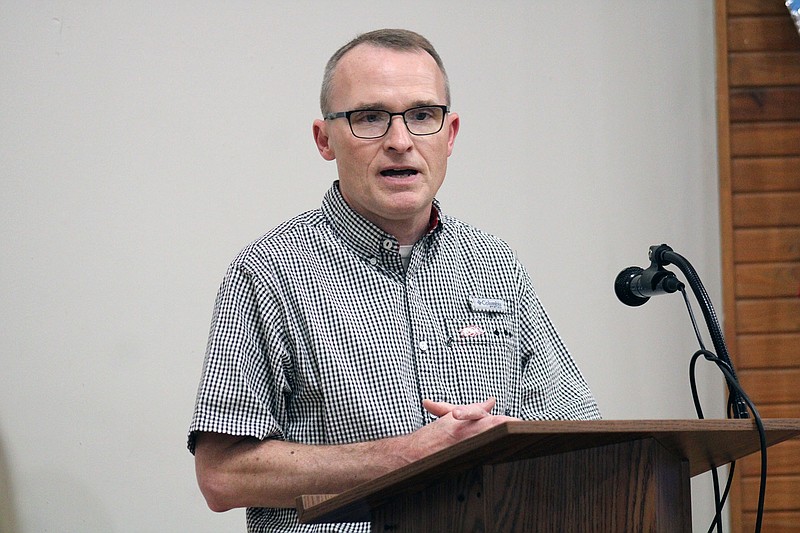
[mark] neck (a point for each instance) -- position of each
(409, 232)
(404, 234)
(406, 230)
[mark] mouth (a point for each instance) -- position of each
(398, 172)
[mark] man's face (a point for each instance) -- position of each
(392, 180)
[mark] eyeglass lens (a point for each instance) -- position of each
(370, 124)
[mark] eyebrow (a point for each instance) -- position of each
(383, 106)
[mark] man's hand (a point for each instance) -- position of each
(455, 423)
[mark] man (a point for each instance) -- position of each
(367, 334)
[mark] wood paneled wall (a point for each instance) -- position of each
(758, 94)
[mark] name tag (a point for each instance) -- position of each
(487, 305)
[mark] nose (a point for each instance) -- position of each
(398, 137)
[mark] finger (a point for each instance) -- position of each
(474, 411)
(469, 412)
(489, 404)
(437, 408)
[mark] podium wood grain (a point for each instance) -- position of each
(626, 475)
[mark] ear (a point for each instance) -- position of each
(320, 130)
(453, 124)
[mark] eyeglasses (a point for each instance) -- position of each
(374, 123)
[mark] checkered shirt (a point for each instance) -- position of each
(320, 336)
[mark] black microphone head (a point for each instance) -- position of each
(622, 287)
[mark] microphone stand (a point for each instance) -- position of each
(664, 255)
(738, 401)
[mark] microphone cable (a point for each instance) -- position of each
(739, 394)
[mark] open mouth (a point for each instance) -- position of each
(402, 172)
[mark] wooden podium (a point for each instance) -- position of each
(586, 476)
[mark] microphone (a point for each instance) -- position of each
(634, 286)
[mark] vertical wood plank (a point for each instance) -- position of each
(765, 138)
(762, 280)
(769, 315)
(750, 7)
(765, 103)
(769, 351)
(756, 245)
(766, 174)
(754, 210)
(764, 68)
(748, 34)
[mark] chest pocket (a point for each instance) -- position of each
(485, 356)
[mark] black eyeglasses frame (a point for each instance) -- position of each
(347, 114)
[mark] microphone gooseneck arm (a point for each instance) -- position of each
(664, 255)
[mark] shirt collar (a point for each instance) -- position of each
(363, 236)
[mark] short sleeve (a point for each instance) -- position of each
(242, 387)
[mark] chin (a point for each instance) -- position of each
(407, 203)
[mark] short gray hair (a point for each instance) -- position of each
(395, 39)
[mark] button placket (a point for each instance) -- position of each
(433, 384)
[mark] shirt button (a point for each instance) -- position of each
(423, 346)
(373, 261)
(388, 244)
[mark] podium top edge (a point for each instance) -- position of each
(625, 425)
